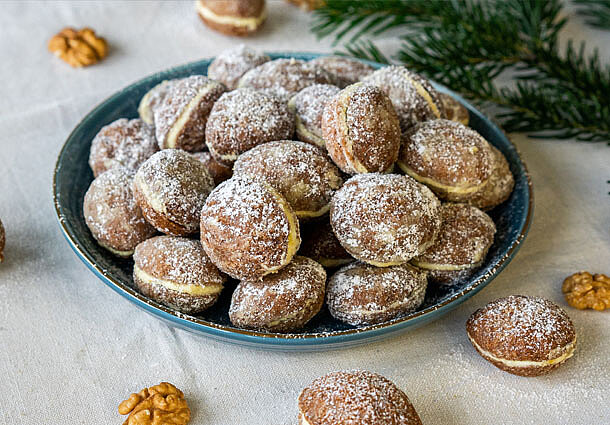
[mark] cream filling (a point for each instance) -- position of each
(445, 267)
(250, 23)
(307, 134)
(294, 240)
(424, 93)
(153, 200)
(172, 134)
(116, 251)
(230, 157)
(568, 352)
(302, 420)
(144, 110)
(430, 182)
(317, 213)
(195, 290)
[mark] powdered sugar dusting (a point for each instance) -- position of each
(397, 83)
(180, 182)
(232, 64)
(384, 217)
(244, 229)
(285, 77)
(447, 152)
(309, 104)
(356, 397)
(244, 118)
(126, 143)
(345, 71)
(111, 213)
(364, 294)
(465, 236)
(519, 327)
(302, 173)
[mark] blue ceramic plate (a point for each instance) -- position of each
(73, 176)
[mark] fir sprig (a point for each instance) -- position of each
(467, 44)
(596, 12)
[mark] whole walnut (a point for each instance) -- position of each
(162, 404)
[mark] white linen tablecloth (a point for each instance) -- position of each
(71, 349)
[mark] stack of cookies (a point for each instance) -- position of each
(306, 183)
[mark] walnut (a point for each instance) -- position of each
(2, 241)
(583, 290)
(78, 48)
(163, 404)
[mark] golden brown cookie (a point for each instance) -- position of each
(171, 188)
(451, 159)
(454, 110)
(151, 99)
(499, 186)
(243, 119)
(362, 294)
(285, 77)
(321, 244)
(361, 130)
(345, 70)
(308, 108)
(385, 219)
(526, 336)
(233, 17)
(282, 302)
(248, 229)
(219, 172)
(232, 64)
(355, 397)
(413, 97)
(302, 173)
(112, 214)
(465, 236)
(176, 272)
(122, 143)
(181, 115)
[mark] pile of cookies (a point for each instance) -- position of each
(310, 183)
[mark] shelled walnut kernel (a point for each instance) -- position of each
(78, 48)
(162, 404)
(583, 290)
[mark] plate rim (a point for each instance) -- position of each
(288, 340)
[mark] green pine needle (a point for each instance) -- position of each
(596, 12)
(467, 44)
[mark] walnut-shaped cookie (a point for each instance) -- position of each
(362, 294)
(176, 272)
(355, 397)
(345, 71)
(302, 173)
(151, 99)
(233, 17)
(361, 130)
(413, 97)
(249, 229)
(281, 302)
(171, 188)
(321, 244)
(243, 119)
(230, 65)
(465, 236)
(219, 171)
(122, 143)
(385, 219)
(453, 160)
(181, 115)
(308, 107)
(526, 336)
(112, 214)
(285, 77)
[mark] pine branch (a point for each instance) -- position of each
(596, 12)
(467, 44)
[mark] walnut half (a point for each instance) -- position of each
(78, 48)
(583, 290)
(162, 404)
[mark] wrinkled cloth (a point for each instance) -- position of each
(71, 349)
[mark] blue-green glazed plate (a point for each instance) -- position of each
(73, 176)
